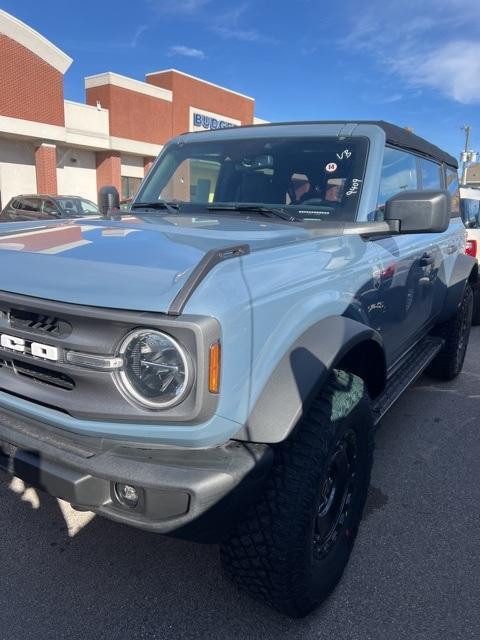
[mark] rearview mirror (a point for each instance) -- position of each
(108, 200)
(420, 211)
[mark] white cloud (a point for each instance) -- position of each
(420, 43)
(178, 6)
(452, 68)
(136, 36)
(188, 52)
(229, 26)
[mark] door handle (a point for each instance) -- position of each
(427, 259)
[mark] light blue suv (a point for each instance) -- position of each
(212, 363)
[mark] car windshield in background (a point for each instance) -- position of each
(77, 207)
(307, 179)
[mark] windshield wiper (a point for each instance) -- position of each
(271, 212)
(170, 206)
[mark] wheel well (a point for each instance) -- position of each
(366, 360)
(473, 277)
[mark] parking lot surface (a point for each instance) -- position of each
(414, 572)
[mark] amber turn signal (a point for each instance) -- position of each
(214, 368)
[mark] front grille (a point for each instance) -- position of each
(31, 321)
(39, 374)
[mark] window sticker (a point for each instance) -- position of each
(331, 167)
(354, 187)
(346, 153)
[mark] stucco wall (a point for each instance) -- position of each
(17, 169)
(77, 173)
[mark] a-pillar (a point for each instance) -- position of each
(46, 168)
(109, 166)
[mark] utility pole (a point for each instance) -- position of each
(467, 155)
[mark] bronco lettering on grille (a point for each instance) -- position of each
(36, 349)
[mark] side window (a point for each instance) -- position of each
(430, 174)
(452, 186)
(49, 208)
(31, 204)
(399, 173)
(471, 210)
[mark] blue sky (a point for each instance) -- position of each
(413, 62)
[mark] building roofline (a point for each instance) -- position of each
(131, 84)
(30, 39)
(212, 84)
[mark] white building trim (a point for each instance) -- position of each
(131, 84)
(32, 40)
(212, 84)
(30, 129)
(135, 146)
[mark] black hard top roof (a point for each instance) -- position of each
(397, 136)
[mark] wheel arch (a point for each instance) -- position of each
(334, 342)
(465, 272)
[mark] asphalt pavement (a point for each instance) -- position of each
(414, 572)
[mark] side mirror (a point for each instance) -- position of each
(108, 200)
(419, 211)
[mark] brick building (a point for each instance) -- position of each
(51, 145)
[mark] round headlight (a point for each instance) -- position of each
(155, 370)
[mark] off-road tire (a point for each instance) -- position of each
(476, 306)
(276, 553)
(455, 332)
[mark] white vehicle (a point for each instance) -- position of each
(470, 197)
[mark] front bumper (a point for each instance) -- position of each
(196, 494)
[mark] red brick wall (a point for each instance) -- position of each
(189, 92)
(133, 115)
(46, 169)
(30, 88)
(109, 167)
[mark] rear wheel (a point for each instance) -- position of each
(476, 306)
(295, 542)
(455, 332)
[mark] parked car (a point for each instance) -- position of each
(217, 366)
(470, 199)
(40, 207)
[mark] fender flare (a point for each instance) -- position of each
(300, 374)
(465, 271)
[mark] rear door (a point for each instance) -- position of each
(30, 209)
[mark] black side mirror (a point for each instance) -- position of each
(108, 200)
(420, 211)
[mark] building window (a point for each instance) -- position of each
(129, 187)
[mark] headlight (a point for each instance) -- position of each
(156, 371)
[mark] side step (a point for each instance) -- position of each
(411, 368)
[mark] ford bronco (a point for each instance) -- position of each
(213, 362)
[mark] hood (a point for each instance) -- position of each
(138, 263)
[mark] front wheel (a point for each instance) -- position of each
(293, 545)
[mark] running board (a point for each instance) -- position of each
(415, 363)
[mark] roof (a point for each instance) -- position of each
(397, 136)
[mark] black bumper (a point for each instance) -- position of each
(196, 494)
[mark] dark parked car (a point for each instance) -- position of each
(38, 207)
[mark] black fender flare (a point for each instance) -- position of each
(300, 374)
(465, 271)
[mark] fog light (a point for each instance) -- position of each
(126, 494)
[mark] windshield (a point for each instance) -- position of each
(77, 207)
(310, 178)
